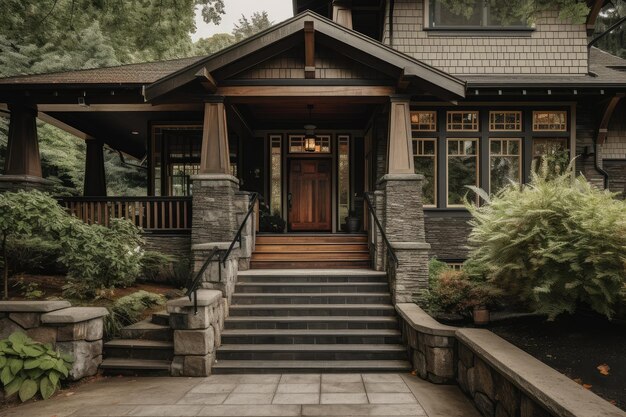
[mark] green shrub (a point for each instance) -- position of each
(181, 273)
(553, 243)
(28, 367)
(156, 267)
(128, 310)
(29, 290)
(103, 257)
(435, 268)
(34, 255)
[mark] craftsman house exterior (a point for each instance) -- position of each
(399, 97)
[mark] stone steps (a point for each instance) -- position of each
(310, 287)
(312, 310)
(125, 366)
(316, 352)
(309, 298)
(140, 349)
(310, 336)
(311, 322)
(304, 366)
(293, 276)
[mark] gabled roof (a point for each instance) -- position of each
(280, 37)
(142, 73)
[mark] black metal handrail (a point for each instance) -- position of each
(192, 288)
(370, 206)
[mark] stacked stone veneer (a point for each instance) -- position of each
(554, 47)
(197, 335)
(502, 380)
(447, 233)
(77, 331)
(176, 245)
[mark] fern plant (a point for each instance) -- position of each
(28, 367)
(554, 243)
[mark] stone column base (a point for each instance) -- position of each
(218, 276)
(409, 279)
(15, 183)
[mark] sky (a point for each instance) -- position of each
(278, 11)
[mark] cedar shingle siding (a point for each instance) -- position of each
(555, 47)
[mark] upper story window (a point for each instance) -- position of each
(474, 14)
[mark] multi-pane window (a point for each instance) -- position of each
(475, 14)
(424, 121)
(505, 163)
(500, 121)
(425, 161)
(554, 148)
(296, 144)
(343, 173)
(275, 175)
(458, 121)
(550, 121)
(462, 155)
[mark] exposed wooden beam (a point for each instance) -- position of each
(603, 128)
(63, 126)
(309, 49)
(119, 107)
(311, 91)
(594, 11)
(206, 80)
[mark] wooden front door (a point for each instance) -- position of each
(309, 198)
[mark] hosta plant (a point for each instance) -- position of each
(28, 367)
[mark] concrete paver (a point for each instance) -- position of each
(312, 395)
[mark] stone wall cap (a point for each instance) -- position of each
(214, 177)
(557, 393)
(205, 298)
(401, 177)
(32, 306)
(74, 315)
(410, 245)
(210, 245)
(422, 321)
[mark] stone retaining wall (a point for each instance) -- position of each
(77, 331)
(176, 245)
(501, 379)
(197, 336)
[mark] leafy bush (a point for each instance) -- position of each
(103, 257)
(128, 310)
(454, 292)
(35, 255)
(27, 367)
(435, 268)
(181, 273)
(553, 243)
(30, 290)
(156, 267)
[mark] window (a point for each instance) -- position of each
(424, 121)
(275, 175)
(462, 169)
(458, 121)
(500, 121)
(343, 179)
(549, 121)
(504, 163)
(425, 161)
(296, 144)
(474, 14)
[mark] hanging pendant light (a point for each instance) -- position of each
(309, 134)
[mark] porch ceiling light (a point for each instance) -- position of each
(309, 133)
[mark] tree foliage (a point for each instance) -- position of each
(554, 243)
(28, 367)
(615, 42)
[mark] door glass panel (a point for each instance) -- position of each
(344, 177)
(275, 174)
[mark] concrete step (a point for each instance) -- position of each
(301, 298)
(315, 352)
(235, 366)
(161, 317)
(311, 322)
(122, 366)
(310, 336)
(316, 247)
(147, 330)
(281, 310)
(139, 349)
(309, 275)
(310, 264)
(313, 238)
(311, 287)
(311, 255)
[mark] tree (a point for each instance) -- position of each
(615, 42)
(259, 21)
(210, 45)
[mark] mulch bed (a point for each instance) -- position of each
(587, 348)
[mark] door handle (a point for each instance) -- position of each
(289, 200)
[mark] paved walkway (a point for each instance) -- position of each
(256, 395)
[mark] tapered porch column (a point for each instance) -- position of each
(95, 178)
(342, 13)
(217, 203)
(403, 213)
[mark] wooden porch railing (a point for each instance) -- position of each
(149, 213)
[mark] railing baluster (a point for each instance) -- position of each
(177, 226)
(171, 212)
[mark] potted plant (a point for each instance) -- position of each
(479, 300)
(353, 223)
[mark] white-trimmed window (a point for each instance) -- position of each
(505, 162)
(462, 121)
(550, 121)
(462, 169)
(505, 121)
(425, 162)
(424, 121)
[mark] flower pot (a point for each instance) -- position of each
(481, 315)
(353, 224)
